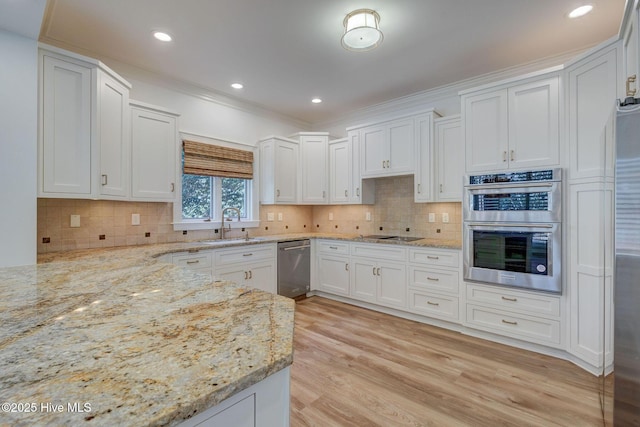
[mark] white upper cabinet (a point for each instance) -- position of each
(84, 135)
(449, 148)
(314, 167)
(278, 170)
(115, 137)
(154, 153)
(515, 126)
(64, 146)
(387, 149)
(340, 173)
(424, 175)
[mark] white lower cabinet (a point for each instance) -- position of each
(380, 282)
(364, 280)
(529, 316)
(200, 261)
(333, 274)
(433, 305)
(248, 265)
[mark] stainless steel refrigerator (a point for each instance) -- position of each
(626, 407)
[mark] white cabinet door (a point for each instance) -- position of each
(65, 148)
(534, 124)
(486, 131)
(235, 273)
(365, 280)
(374, 150)
(314, 169)
(262, 276)
(401, 142)
(333, 274)
(154, 142)
(424, 174)
(114, 136)
(449, 159)
(339, 171)
(286, 172)
(392, 285)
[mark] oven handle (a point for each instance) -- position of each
(509, 224)
(510, 185)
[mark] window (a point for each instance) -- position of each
(215, 177)
(200, 201)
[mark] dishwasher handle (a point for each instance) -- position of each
(290, 248)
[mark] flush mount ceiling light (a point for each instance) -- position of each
(163, 37)
(580, 11)
(237, 85)
(362, 30)
(316, 100)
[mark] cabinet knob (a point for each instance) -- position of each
(632, 79)
(104, 179)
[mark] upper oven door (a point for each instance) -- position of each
(537, 202)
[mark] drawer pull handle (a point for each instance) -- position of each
(508, 322)
(345, 193)
(250, 274)
(374, 271)
(346, 267)
(247, 254)
(630, 92)
(358, 191)
(433, 303)
(433, 279)
(432, 257)
(378, 271)
(504, 156)
(333, 247)
(104, 180)
(513, 155)
(193, 262)
(246, 276)
(510, 299)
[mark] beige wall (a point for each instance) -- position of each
(394, 211)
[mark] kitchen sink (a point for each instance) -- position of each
(393, 238)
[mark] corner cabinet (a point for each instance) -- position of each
(278, 170)
(84, 128)
(154, 152)
(513, 126)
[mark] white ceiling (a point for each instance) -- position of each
(288, 51)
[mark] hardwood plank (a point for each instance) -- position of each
(357, 367)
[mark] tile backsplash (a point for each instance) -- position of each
(106, 223)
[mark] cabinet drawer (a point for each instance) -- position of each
(435, 257)
(332, 247)
(541, 305)
(434, 279)
(533, 329)
(442, 307)
(387, 252)
(247, 253)
(195, 261)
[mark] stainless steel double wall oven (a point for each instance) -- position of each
(513, 229)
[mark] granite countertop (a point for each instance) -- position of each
(130, 340)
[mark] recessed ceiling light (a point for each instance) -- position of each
(580, 11)
(237, 85)
(163, 37)
(316, 100)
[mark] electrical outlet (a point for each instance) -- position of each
(270, 216)
(368, 216)
(75, 221)
(135, 219)
(445, 217)
(330, 216)
(279, 216)
(432, 217)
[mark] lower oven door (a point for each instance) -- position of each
(521, 255)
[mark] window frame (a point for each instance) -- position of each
(252, 196)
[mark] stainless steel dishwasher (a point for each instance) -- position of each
(294, 268)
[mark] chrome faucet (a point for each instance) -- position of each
(237, 211)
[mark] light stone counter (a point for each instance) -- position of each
(141, 342)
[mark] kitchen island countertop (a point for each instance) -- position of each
(114, 337)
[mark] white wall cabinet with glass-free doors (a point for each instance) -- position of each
(513, 125)
(449, 163)
(313, 170)
(84, 129)
(279, 158)
(154, 153)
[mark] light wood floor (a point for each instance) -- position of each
(356, 367)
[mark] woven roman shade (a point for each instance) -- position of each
(214, 160)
